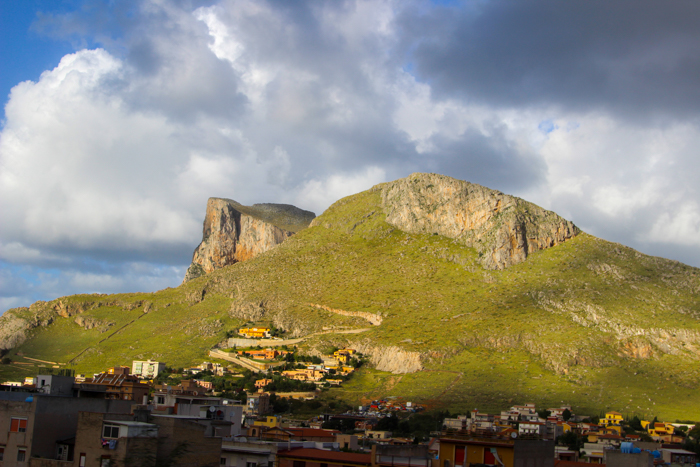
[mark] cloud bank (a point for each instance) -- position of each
(106, 161)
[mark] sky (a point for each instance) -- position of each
(121, 118)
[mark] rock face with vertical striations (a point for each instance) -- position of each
(233, 232)
(502, 228)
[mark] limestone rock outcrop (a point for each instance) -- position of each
(502, 228)
(233, 232)
(390, 358)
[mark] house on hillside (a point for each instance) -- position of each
(611, 419)
(146, 369)
(254, 333)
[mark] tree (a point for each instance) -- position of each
(636, 424)
(388, 424)
(570, 440)
(566, 415)
(695, 432)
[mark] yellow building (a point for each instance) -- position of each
(270, 421)
(254, 332)
(611, 419)
(457, 451)
(568, 426)
(658, 428)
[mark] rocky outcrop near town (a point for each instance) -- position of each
(233, 232)
(503, 229)
(390, 358)
(373, 318)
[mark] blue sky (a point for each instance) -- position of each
(126, 116)
(25, 52)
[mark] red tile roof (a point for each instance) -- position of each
(322, 455)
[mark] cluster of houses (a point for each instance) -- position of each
(320, 374)
(119, 417)
(601, 440)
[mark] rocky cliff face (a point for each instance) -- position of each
(503, 229)
(233, 232)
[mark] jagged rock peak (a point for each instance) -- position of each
(233, 232)
(503, 229)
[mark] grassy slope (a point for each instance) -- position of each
(549, 330)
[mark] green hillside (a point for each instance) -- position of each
(590, 323)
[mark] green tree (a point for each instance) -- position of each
(566, 415)
(571, 440)
(636, 424)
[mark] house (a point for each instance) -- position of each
(611, 419)
(458, 450)
(266, 354)
(269, 421)
(377, 434)
(102, 439)
(610, 440)
(147, 369)
(594, 453)
(559, 412)
(43, 425)
(222, 417)
(118, 370)
(526, 412)
(459, 423)
(254, 333)
(304, 375)
(660, 429)
(261, 383)
(565, 454)
(678, 456)
(537, 429)
(208, 385)
(245, 452)
(118, 385)
(386, 455)
(308, 457)
(258, 404)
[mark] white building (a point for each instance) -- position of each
(148, 369)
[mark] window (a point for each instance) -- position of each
(223, 461)
(2, 453)
(18, 425)
(110, 431)
(251, 464)
(324, 465)
(82, 459)
(105, 461)
(160, 400)
(21, 455)
(298, 464)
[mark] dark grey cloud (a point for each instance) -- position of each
(487, 160)
(627, 57)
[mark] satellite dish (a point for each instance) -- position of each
(513, 435)
(212, 409)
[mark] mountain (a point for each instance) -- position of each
(460, 296)
(233, 232)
